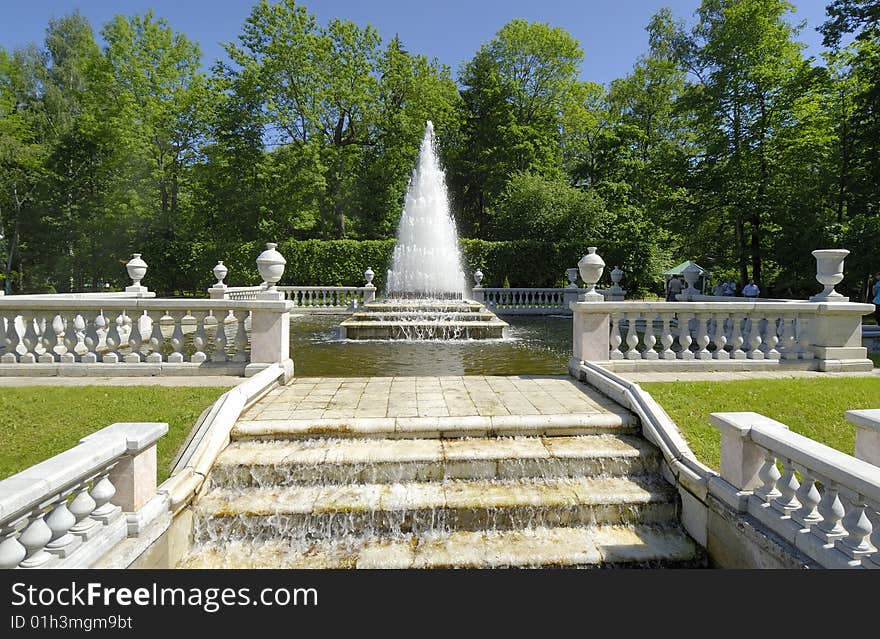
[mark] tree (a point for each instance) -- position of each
(514, 91)
(165, 101)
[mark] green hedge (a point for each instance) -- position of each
(522, 262)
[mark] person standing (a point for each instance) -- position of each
(876, 300)
(751, 290)
(728, 289)
(673, 288)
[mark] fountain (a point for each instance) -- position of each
(426, 294)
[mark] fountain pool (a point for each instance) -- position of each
(535, 345)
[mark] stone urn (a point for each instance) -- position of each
(478, 277)
(616, 276)
(691, 275)
(137, 269)
(369, 275)
(271, 264)
(220, 272)
(829, 273)
(591, 267)
(572, 274)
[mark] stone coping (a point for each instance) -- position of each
(829, 308)
(35, 484)
(865, 418)
(14, 303)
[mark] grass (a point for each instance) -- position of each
(810, 406)
(37, 422)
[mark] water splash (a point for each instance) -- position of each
(426, 262)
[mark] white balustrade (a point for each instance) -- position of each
(129, 331)
(71, 505)
(528, 301)
(312, 298)
(765, 332)
(824, 502)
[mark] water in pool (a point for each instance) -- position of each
(536, 345)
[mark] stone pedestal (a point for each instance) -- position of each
(867, 423)
(270, 334)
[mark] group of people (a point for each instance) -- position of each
(727, 288)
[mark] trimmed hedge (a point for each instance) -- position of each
(521, 262)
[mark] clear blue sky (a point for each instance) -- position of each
(611, 32)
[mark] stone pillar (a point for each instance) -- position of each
(741, 459)
(835, 334)
(590, 332)
(134, 475)
(867, 423)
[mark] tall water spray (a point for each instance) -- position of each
(426, 262)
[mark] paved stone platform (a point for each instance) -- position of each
(316, 398)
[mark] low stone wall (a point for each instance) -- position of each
(744, 515)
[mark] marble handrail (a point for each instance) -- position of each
(818, 333)
(71, 505)
(137, 331)
(825, 502)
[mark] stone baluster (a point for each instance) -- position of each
(703, 337)
(221, 343)
(34, 538)
(48, 341)
(12, 553)
(787, 341)
(177, 337)
(650, 339)
(667, 338)
(720, 337)
(771, 339)
(858, 528)
(754, 342)
(874, 516)
(29, 340)
(200, 338)
(787, 485)
(157, 338)
(736, 338)
(81, 507)
(684, 335)
(832, 511)
(632, 336)
(135, 341)
(768, 475)
(103, 492)
(60, 521)
(808, 496)
(615, 339)
(112, 340)
(70, 339)
(240, 337)
(91, 338)
(804, 345)
(11, 339)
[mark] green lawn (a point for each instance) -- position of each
(37, 422)
(810, 406)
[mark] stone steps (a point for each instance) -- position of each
(542, 547)
(370, 461)
(337, 511)
(437, 427)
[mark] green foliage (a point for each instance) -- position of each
(533, 206)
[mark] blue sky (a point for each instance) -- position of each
(612, 33)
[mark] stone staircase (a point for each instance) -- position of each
(573, 491)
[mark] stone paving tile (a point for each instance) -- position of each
(455, 396)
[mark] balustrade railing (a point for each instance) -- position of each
(67, 510)
(747, 332)
(821, 500)
(312, 298)
(527, 301)
(128, 331)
